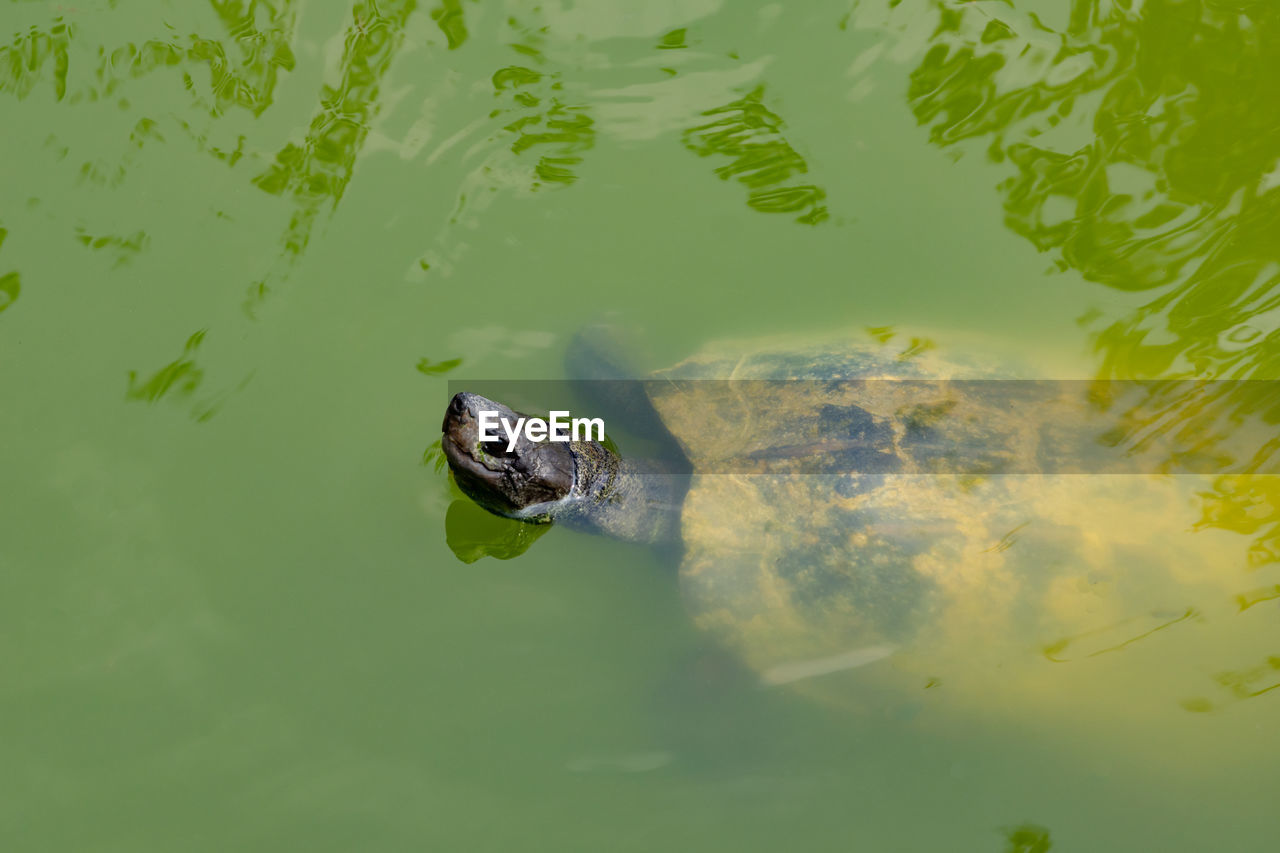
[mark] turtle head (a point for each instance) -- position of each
(525, 481)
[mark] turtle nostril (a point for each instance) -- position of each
(456, 406)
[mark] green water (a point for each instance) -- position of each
(231, 233)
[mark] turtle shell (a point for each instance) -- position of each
(835, 519)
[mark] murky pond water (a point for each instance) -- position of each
(245, 248)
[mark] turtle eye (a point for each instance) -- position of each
(497, 448)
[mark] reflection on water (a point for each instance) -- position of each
(1028, 838)
(313, 173)
(1254, 681)
(430, 368)
(1114, 638)
(538, 135)
(179, 380)
(260, 35)
(1248, 504)
(124, 248)
(674, 40)
(763, 160)
(472, 533)
(243, 76)
(534, 138)
(452, 22)
(1237, 685)
(1257, 596)
(181, 375)
(10, 283)
(23, 62)
(543, 118)
(10, 287)
(316, 171)
(1141, 159)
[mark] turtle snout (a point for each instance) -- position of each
(458, 413)
(459, 431)
(458, 405)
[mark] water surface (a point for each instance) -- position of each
(245, 246)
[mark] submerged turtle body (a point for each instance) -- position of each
(832, 520)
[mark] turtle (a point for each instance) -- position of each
(867, 504)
